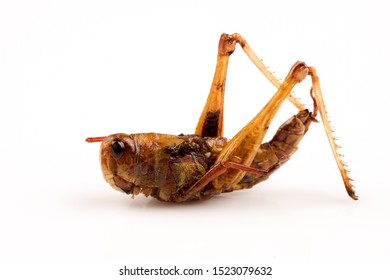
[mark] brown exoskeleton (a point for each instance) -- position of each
(198, 166)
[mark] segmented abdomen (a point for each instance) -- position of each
(271, 155)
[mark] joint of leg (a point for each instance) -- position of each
(237, 37)
(299, 71)
(227, 44)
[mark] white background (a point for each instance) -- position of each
(74, 69)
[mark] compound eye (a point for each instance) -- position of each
(117, 149)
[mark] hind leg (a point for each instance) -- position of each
(237, 155)
(210, 123)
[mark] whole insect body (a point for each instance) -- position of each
(178, 168)
(166, 166)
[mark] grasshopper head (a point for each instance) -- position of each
(117, 153)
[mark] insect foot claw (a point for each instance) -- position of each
(351, 193)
